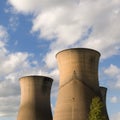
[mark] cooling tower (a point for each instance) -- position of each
(35, 98)
(103, 91)
(78, 69)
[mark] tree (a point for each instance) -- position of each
(96, 109)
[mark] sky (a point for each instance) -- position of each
(33, 31)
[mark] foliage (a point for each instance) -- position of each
(96, 109)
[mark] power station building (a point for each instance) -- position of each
(78, 85)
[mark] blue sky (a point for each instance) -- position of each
(33, 31)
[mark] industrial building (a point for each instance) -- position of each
(78, 85)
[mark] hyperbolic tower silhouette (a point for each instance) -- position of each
(78, 69)
(35, 98)
(78, 85)
(103, 91)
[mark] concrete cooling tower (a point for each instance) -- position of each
(35, 98)
(78, 69)
(103, 91)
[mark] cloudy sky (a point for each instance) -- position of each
(33, 31)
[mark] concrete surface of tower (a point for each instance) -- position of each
(78, 69)
(35, 98)
(103, 91)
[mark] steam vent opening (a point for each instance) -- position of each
(35, 98)
(78, 68)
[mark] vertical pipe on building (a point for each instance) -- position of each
(78, 83)
(35, 98)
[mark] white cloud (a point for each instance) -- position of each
(13, 22)
(112, 70)
(105, 30)
(3, 39)
(118, 82)
(3, 34)
(31, 6)
(9, 88)
(51, 63)
(116, 116)
(114, 99)
(67, 24)
(28, 6)
(114, 74)
(13, 62)
(9, 105)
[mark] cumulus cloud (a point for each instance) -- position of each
(31, 6)
(28, 6)
(14, 61)
(113, 70)
(114, 74)
(75, 23)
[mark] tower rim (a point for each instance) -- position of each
(83, 49)
(103, 87)
(49, 78)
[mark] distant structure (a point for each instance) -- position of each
(79, 83)
(35, 98)
(103, 91)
